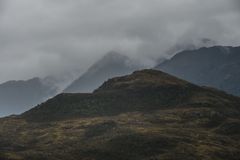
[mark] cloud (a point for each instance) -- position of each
(40, 38)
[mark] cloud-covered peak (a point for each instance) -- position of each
(41, 38)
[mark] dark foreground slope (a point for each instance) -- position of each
(217, 67)
(148, 115)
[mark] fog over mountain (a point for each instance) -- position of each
(19, 96)
(217, 66)
(111, 65)
(119, 79)
(42, 38)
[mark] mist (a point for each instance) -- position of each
(42, 38)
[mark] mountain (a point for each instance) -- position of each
(19, 96)
(111, 65)
(147, 115)
(190, 44)
(217, 67)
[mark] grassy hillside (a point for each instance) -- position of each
(186, 133)
(148, 115)
(145, 90)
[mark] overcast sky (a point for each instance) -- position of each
(44, 37)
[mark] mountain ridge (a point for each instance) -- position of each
(133, 92)
(111, 65)
(142, 116)
(216, 67)
(19, 96)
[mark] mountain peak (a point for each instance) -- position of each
(216, 66)
(114, 54)
(142, 79)
(145, 90)
(111, 57)
(111, 65)
(17, 96)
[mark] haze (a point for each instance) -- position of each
(46, 37)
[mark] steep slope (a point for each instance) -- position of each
(111, 65)
(217, 67)
(19, 96)
(143, 116)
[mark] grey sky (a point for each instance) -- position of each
(42, 37)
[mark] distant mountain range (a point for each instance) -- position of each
(216, 66)
(19, 96)
(111, 65)
(142, 116)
